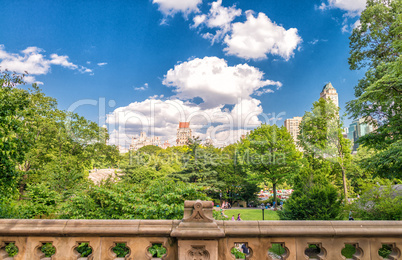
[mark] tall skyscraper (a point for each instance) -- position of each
(328, 91)
(292, 125)
(357, 129)
(183, 133)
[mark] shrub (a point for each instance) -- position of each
(318, 202)
(379, 203)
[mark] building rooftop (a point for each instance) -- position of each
(327, 86)
(184, 124)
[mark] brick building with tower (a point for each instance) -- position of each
(183, 133)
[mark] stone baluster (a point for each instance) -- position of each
(198, 236)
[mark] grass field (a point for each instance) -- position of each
(252, 214)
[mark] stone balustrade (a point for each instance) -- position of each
(198, 236)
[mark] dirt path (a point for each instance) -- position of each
(99, 175)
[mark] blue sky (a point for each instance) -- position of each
(226, 66)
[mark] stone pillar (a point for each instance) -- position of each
(198, 233)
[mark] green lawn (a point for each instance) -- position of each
(252, 214)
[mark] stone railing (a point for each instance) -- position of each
(199, 236)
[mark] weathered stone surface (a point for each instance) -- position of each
(198, 250)
(198, 236)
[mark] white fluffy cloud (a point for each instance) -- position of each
(218, 17)
(353, 7)
(161, 118)
(259, 36)
(213, 80)
(171, 7)
(227, 112)
(32, 60)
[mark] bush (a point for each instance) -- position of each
(84, 249)
(11, 249)
(161, 199)
(237, 253)
(41, 201)
(8, 210)
(157, 250)
(318, 202)
(379, 203)
(121, 250)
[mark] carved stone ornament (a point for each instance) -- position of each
(197, 253)
(198, 214)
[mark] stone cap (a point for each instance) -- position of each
(198, 211)
(198, 221)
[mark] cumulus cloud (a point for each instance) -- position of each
(213, 80)
(171, 7)
(161, 118)
(218, 17)
(352, 8)
(100, 64)
(259, 36)
(32, 60)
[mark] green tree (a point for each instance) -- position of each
(365, 172)
(159, 199)
(198, 166)
(321, 139)
(314, 198)
(376, 45)
(14, 108)
(149, 149)
(63, 146)
(269, 154)
(236, 184)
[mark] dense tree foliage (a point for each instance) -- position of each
(198, 165)
(321, 139)
(46, 153)
(379, 202)
(326, 157)
(14, 128)
(269, 153)
(159, 200)
(376, 45)
(314, 198)
(236, 183)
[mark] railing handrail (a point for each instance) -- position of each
(110, 228)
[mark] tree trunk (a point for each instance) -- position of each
(345, 188)
(274, 188)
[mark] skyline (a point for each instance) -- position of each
(150, 59)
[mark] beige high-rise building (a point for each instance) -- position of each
(183, 133)
(328, 91)
(292, 125)
(143, 140)
(166, 144)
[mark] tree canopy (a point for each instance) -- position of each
(269, 153)
(376, 45)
